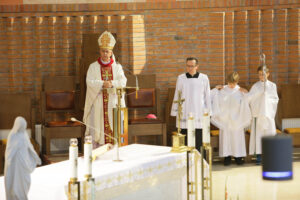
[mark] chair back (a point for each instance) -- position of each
(290, 101)
(59, 99)
(147, 99)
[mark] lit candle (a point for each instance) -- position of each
(73, 157)
(191, 131)
(206, 128)
(88, 156)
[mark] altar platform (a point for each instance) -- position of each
(146, 172)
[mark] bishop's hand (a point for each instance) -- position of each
(107, 84)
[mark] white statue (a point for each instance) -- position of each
(20, 160)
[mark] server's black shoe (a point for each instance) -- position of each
(227, 160)
(239, 160)
(258, 159)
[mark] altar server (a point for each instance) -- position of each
(102, 77)
(263, 101)
(196, 92)
(231, 114)
(20, 160)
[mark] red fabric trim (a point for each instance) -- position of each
(107, 129)
(105, 65)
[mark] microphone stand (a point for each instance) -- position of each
(118, 110)
(113, 138)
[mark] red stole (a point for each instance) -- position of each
(107, 75)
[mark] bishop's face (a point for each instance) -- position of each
(105, 54)
(191, 67)
(261, 76)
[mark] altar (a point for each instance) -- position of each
(145, 172)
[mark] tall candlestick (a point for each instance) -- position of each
(88, 156)
(73, 157)
(206, 128)
(191, 131)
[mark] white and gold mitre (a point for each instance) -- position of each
(106, 41)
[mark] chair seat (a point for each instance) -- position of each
(3, 141)
(62, 124)
(214, 132)
(277, 131)
(144, 121)
(292, 130)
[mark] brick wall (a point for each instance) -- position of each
(39, 40)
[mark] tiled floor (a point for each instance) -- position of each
(246, 183)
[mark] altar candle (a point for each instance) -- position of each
(73, 157)
(206, 128)
(191, 131)
(87, 158)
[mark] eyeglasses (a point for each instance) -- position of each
(190, 66)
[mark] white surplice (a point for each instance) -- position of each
(196, 92)
(93, 110)
(263, 108)
(231, 114)
(20, 160)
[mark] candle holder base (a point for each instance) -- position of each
(89, 188)
(178, 141)
(73, 189)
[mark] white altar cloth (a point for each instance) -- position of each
(146, 172)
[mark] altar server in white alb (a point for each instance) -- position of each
(195, 90)
(263, 101)
(103, 77)
(20, 160)
(231, 114)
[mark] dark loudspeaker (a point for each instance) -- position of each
(277, 157)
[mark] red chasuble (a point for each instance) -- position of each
(106, 75)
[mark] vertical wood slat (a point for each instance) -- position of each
(247, 48)
(275, 46)
(298, 71)
(293, 45)
(234, 42)
(224, 51)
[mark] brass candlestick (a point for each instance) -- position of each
(121, 136)
(193, 186)
(206, 181)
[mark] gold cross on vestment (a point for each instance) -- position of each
(106, 75)
(179, 101)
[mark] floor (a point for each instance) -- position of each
(246, 183)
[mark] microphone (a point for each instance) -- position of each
(116, 141)
(137, 87)
(136, 82)
(73, 119)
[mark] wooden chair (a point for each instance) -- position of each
(148, 101)
(289, 111)
(13, 105)
(59, 104)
